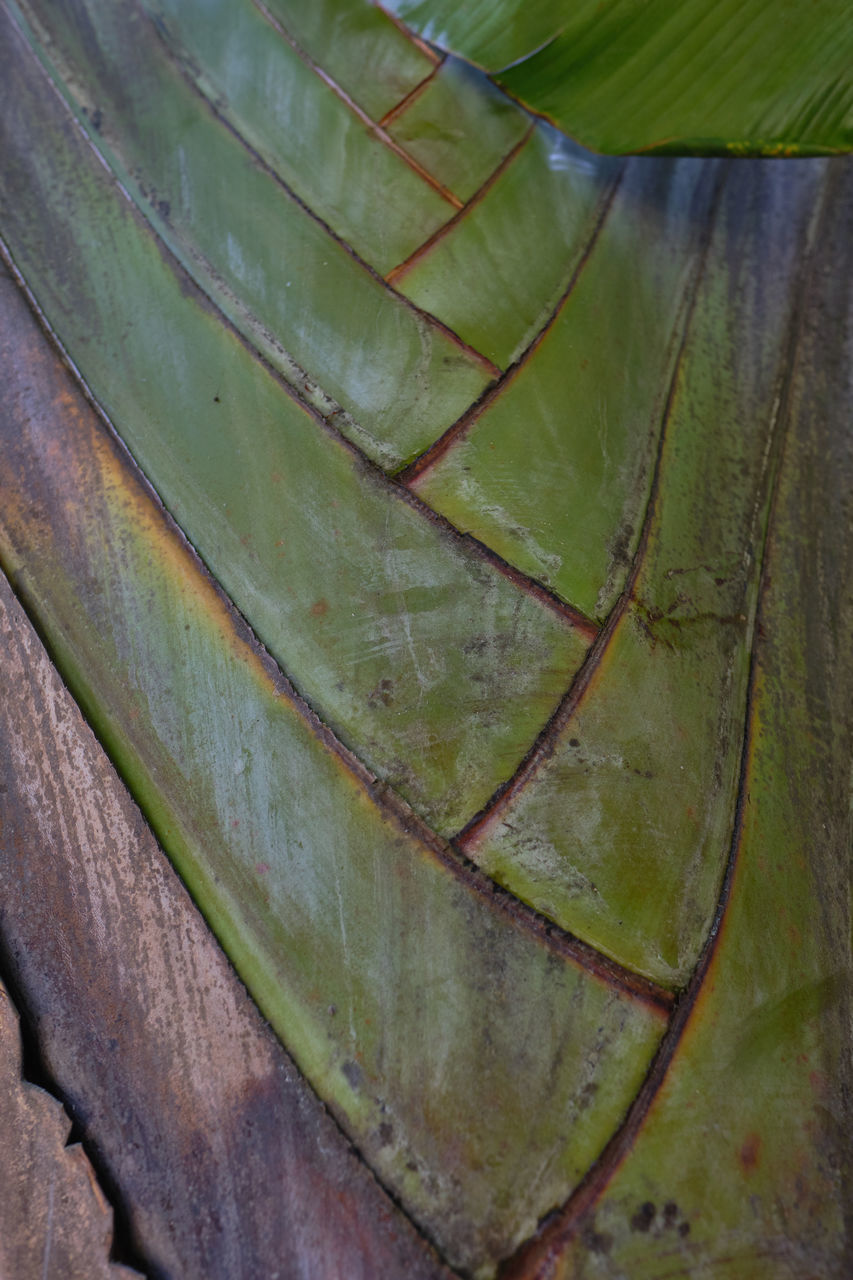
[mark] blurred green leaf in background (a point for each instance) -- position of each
(705, 77)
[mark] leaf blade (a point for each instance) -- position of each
(218, 749)
(683, 79)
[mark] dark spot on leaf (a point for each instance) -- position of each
(684, 1229)
(164, 207)
(352, 1071)
(597, 1241)
(587, 1094)
(670, 1213)
(383, 693)
(386, 1133)
(319, 608)
(621, 545)
(644, 1217)
(749, 1153)
(574, 742)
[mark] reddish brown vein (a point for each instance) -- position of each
(370, 124)
(537, 1258)
(415, 470)
(587, 627)
(16, 583)
(412, 37)
(561, 941)
(412, 96)
(578, 620)
(545, 743)
(402, 268)
(187, 74)
(581, 954)
(584, 625)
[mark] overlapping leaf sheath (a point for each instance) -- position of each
(491, 482)
(257, 224)
(573, 517)
(739, 1144)
(285, 839)
(224, 1162)
(644, 755)
(267, 509)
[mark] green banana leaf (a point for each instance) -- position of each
(739, 77)
(444, 531)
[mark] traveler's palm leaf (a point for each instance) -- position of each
(451, 713)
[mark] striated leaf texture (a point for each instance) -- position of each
(409, 498)
(223, 1160)
(739, 77)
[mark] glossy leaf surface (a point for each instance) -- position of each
(262, 516)
(284, 838)
(746, 77)
(646, 760)
(225, 1162)
(495, 501)
(736, 1161)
